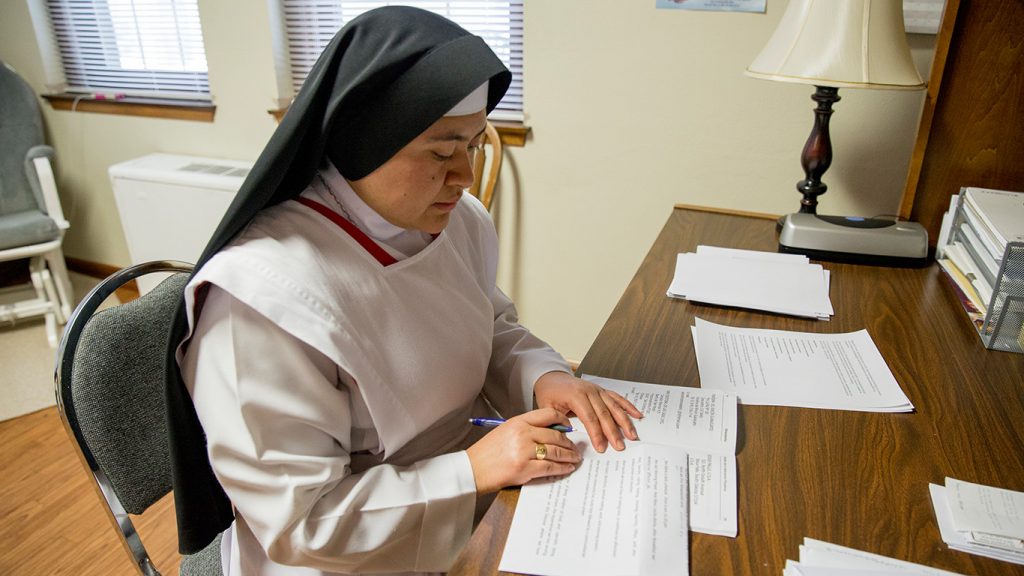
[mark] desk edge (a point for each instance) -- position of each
(762, 215)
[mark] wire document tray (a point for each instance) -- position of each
(1001, 324)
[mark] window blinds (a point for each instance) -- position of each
(310, 25)
(150, 48)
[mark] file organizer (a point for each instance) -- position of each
(1003, 326)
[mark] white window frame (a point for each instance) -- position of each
(302, 28)
(135, 48)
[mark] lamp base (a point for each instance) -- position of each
(856, 240)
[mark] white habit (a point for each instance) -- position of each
(334, 390)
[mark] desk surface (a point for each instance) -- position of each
(850, 478)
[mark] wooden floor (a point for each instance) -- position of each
(51, 520)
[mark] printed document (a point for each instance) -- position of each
(703, 422)
(819, 558)
(628, 512)
(980, 519)
(783, 368)
(620, 513)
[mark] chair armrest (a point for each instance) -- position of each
(39, 167)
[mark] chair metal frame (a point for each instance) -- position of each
(65, 403)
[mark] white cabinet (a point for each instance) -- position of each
(171, 204)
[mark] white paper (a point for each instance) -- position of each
(988, 242)
(816, 555)
(791, 569)
(984, 258)
(689, 432)
(680, 416)
(783, 368)
(957, 540)
(810, 570)
(706, 250)
(1002, 212)
(621, 513)
(703, 422)
(979, 508)
(751, 279)
(947, 224)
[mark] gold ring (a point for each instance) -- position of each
(541, 451)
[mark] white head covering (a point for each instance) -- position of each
(471, 104)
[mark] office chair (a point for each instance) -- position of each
(32, 222)
(110, 394)
(484, 185)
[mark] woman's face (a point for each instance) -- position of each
(419, 187)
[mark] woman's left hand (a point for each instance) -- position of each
(605, 414)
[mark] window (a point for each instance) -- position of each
(130, 48)
(310, 24)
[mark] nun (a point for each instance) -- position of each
(343, 325)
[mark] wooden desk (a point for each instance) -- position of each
(854, 479)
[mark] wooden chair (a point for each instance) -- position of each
(485, 181)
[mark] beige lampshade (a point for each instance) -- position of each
(841, 43)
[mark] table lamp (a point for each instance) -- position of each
(832, 44)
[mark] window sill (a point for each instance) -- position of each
(512, 133)
(151, 107)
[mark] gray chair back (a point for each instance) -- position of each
(110, 392)
(23, 219)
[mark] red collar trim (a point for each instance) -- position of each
(358, 235)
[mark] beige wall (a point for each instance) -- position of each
(632, 109)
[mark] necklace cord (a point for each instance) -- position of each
(334, 197)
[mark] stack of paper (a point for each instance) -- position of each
(621, 513)
(964, 271)
(971, 247)
(946, 228)
(960, 268)
(819, 558)
(980, 519)
(703, 422)
(997, 216)
(628, 512)
(781, 283)
(968, 286)
(782, 368)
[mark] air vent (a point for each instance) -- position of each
(217, 169)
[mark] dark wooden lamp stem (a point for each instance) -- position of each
(817, 154)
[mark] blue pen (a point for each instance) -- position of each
(492, 422)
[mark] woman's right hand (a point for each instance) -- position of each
(507, 455)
